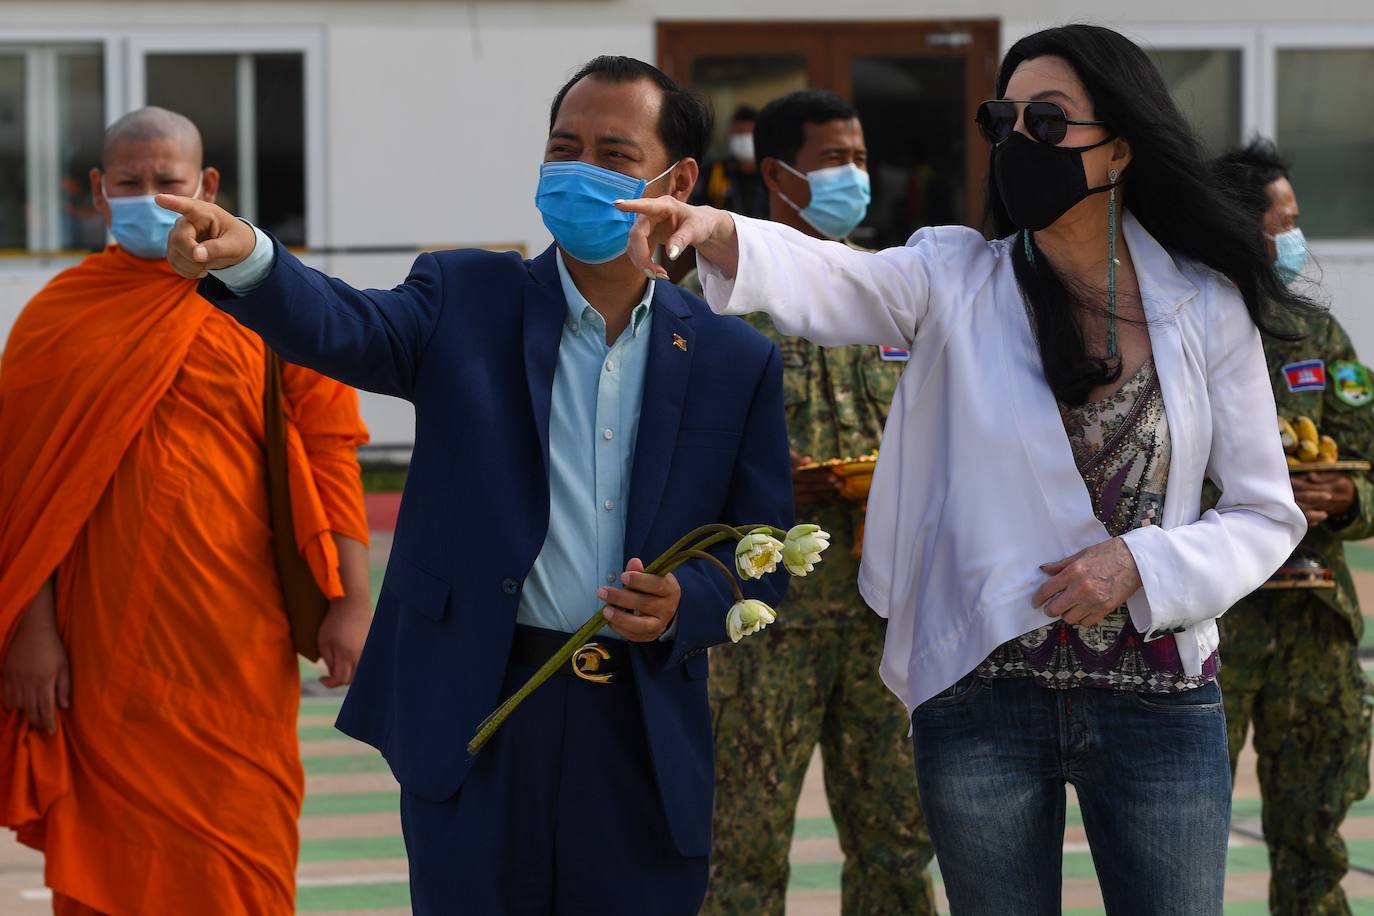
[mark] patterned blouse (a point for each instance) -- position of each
(1121, 446)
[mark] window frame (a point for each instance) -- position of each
(124, 54)
(1273, 39)
(1259, 47)
(307, 42)
(39, 48)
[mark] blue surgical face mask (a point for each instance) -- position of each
(139, 225)
(839, 198)
(577, 201)
(1290, 254)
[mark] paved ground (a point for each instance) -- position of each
(353, 859)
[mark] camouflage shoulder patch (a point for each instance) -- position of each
(1351, 384)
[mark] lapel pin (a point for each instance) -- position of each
(680, 342)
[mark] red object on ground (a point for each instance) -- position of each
(381, 511)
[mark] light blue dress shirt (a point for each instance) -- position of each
(598, 391)
(248, 274)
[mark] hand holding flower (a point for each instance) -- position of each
(643, 610)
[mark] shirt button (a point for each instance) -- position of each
(610, 365)
(608, 505)
(607, 434)
(610, 577)
(510, 586)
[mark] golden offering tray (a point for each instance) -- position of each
(856, 474)
(1301, 571)
(1316, 467)
(1288, 584)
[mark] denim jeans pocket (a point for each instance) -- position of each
(1197, 701)
(961, 691)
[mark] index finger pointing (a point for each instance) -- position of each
(177, 204)
(649, 206)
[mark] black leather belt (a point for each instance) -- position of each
(600, 661)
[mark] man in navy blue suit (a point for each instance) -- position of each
(572, 416)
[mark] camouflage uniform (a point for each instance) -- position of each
(813, 677)
(1290, 660)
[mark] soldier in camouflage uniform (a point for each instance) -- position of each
(812, 677)
(1290, 662)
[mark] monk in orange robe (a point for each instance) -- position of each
(148, 746)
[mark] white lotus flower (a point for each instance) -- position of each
(757, 554)
(748, 617)
(803, 548)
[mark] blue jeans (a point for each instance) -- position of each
(1153, 782)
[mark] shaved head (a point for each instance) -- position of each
(151, 151)
(147, 125)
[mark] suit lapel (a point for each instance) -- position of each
(545, 310)
(666, 374)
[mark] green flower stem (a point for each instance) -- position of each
(706, 536)
(729, 532)
(494, 721)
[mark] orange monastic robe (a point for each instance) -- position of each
(132, 467)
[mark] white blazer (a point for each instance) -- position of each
(976, 485)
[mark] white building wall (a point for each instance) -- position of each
(434, 113)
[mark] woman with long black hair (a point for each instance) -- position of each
(1034, 534)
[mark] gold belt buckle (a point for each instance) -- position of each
(586, 662)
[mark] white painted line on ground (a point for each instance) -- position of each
(346, 880)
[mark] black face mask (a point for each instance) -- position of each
(1038, 182)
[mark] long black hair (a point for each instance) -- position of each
(1167, 186)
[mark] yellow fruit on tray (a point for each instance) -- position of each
(1293, 462)
(1306, 430)
(1308, 450)
(1287, 436)
(1327, 450)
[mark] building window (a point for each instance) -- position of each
(1325, 125)
(250, 109)
(52, 117)
(1206, 84)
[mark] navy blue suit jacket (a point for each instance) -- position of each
(471, 338)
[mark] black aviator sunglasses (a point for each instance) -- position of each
(1045, 121)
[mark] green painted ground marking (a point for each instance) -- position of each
(320, 706)
(375, 574)
(353, 763)
(810, 828)
(351, 803)
(815, 876)
(353, 847)
(352, 897)
(322, 733)
(1360, 555)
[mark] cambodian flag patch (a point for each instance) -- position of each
(1308, 375)
(894, 354)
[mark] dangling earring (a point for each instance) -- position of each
(1112, 264)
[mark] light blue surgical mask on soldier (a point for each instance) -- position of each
(577, 202)
(139, 225)
(839, 198)
(1290, 254)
